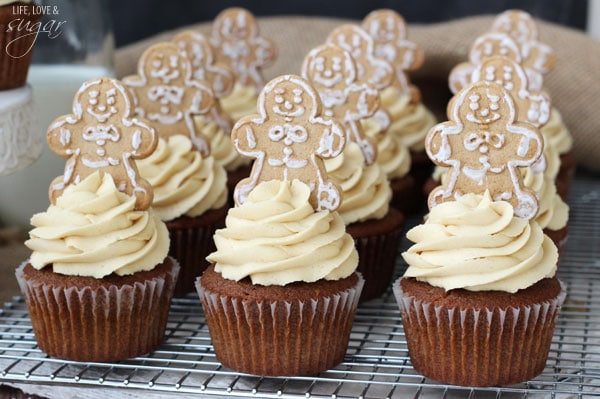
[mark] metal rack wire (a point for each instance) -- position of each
(376, 364)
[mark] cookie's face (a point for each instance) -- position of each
(101, 105)
(384, 28)
(485, 115)
(331, 68)
(494, 44)
(163, 67)
(237, 25)
(289, 101)
(482, 108)
(517, 24)
(509, 75)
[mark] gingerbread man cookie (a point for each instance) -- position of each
(373, 71)
(168, 96)
(388, 30)
(485, 46)
(521, 27)
(484, 145)
(289, 138)
(237, 44)
(102, 135)
(332, 72)
(197, 49)
(532, 106)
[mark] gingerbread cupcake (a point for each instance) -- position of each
(190, 192)
(281, 296)
(480, 297)
(374, 225)
(98, 285)
(237, 44)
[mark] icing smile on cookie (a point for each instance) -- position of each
(486, 115)
(328, 76)
(101, 110)
(288, 107)
(165, 71)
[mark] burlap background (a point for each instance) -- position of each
(574, 84)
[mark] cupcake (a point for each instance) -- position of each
(375, 226)
(480, 298)
(190, 191)
(215, 125)
(281, 296)
(16, 43)
(98, 285)
(99, 267)
(237, 43)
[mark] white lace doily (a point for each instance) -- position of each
(19, 145)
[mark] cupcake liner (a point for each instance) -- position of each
(107, 323)
(377, 255)
(274, 338)
(191, 242)
(478, 347)
(16, 47)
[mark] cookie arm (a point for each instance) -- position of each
(460, 76)
(246, 142)
(143, 137)
(333, 139)
(438, 142)
(59, 136)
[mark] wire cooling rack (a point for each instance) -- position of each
(376, 364)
